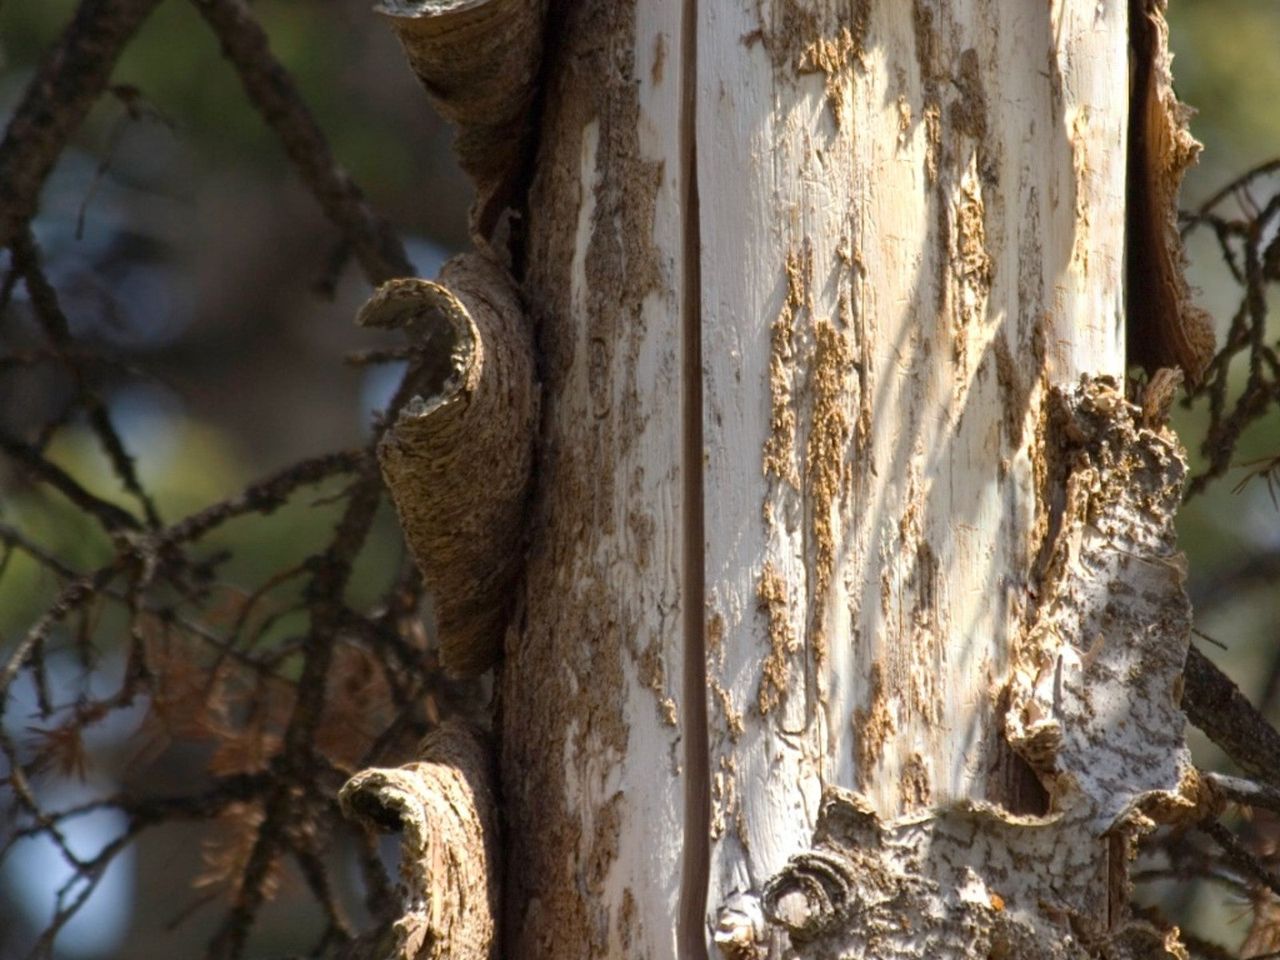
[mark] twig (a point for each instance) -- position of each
(44, 299)
(1262, 169)
(113, 519)
(313, 871)
(265, 495)
(1242, 859)
(1246, 792)
(73, 75)
(270, 89)
(1215, 704)
(72, 596)
(324, 592)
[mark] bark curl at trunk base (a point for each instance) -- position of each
(1094, 711)
(443, 807)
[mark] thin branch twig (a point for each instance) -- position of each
(72, 77)
(1215, 704)
(270, 89)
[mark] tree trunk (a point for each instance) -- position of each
(852, 617)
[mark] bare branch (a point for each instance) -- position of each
(1240, 858)
(26, 258)
(72, 597)
(73, 75)
(1215, 704)
(270, 89)
(1236, 183)
(265, 495)
(1246, 792)
(113, 518)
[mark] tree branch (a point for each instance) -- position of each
(73, 75)
(1215, 704)
(1245, 792)
(44, 300)
(270, 89)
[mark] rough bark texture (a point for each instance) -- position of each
(443, 807)
(593, 758)
(479, 61)
(458, 458)
(815, 511)
(1093, 709)
(913, 222)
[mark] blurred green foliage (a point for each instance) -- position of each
(1227, 66)
(176, 63)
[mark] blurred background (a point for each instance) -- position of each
(187, 255)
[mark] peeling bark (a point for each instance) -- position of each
(967, 881)
(807, 279)
(459, 457)
(478, 61)
(1094, 710)
(1166, 328)
(918, 222)
(443, 807)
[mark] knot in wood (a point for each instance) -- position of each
(811, 894)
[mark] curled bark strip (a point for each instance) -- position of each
(479, 61)
(1166, 329)
(443, 807)
(459, 455)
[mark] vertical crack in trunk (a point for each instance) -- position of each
(691, 932)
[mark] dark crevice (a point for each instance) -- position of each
(691, 932)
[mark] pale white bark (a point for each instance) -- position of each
(806, 276)
(922, 231)
(594, 757)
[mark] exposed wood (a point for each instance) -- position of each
(805, 275)
(594, 751)
(1094, 709)
(918, 222)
